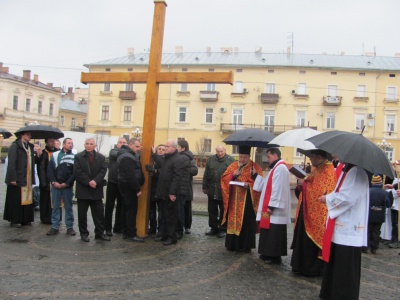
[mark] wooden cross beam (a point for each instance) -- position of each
(154, 77)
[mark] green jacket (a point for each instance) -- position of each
(215, 168)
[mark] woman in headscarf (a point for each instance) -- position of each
(19, 208)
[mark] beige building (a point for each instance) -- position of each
(72, 115)
(25, 100)
(275, 92)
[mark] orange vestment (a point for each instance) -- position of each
(321, 181)
(234, 197)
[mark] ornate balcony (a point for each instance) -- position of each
(332, 100)
(209, 96)
(269, 98)
(127, 95)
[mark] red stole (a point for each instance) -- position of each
(326, 244)
(339, 169)
(265, 217)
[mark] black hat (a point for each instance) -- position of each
(244, 150)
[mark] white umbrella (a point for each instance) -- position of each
(296, 138)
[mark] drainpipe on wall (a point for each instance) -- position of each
(169, 105)
(375, 104)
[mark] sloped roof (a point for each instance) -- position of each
(30, 82)
(261, 60)
(66, 104)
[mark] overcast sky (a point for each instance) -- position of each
(54, 38)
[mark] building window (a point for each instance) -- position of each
(238, 86)
(184, 69)
(84, 123)
(391, 93)
(15, 102)
(105, 112)
(301, 89)
(360, 121)
(361, 90)
(235, 149)
(269, 120)
(390, 123)
(51, 109)
(107, 87)
(237, 117)
(239, 70)
(333, 73)
(62, 120)
(330, 120)
(28, 105)
(182, 114)
(40, 107)
(301, 118)
(127, 113)
(207, 145)
(209, 115)
(302, 72)
(390, 154)
(271, 71)
(184, 87)
(73, 123)
(210, 87)
(270, 88)
(361, 74)
(129, 87)
(332, 90)
(298, 154)
(210, 70)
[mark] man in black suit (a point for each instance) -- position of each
(90, 169)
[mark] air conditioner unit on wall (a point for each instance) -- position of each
(370, 116)
(245, 90)
(223, 110)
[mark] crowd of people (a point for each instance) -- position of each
(339, 215)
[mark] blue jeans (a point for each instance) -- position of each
(67, 195)
(36, 196)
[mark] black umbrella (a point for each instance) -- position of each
(355, 149)
(6, 134)
(41, 131)
(252, 137)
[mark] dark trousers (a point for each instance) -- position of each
(97, 210)
(188, 215)
(170, 219)
(129, 209)
(113, 193)
(45, 206)
(215, 213)
(155, 214)
(181, 216)
(374, 232)
(395, 225)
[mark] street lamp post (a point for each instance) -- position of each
(137, 133)
(384, 145)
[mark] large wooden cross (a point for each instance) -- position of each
(153, 78)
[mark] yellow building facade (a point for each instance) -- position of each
(275, 92)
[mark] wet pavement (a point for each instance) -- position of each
(36, 266)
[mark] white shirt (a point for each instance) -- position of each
(280, 196)
(350, 207)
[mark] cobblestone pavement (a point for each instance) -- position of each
(36, 266)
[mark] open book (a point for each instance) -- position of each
(239, 183)
(297, 171)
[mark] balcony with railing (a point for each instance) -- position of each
(209, 96)
(269, 98)
(275, 129)
(127, 95)
(78, 128)
(332, 100)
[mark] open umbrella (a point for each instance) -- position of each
(41, 131)
(296, 138)
(5, 133)
(355, 149)
(252, 137)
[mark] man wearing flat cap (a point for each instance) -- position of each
(240, 202)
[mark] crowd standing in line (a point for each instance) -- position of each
(339, 215)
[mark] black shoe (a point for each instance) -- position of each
(102, 238)
(221, 234)
(85, 238)
(160, 239)
(364, 250)
(136, 239)
(15, 225)
(373, 251)
(169, 242)
(263, 257)
(52, 231)
(273, 261)
(179, 236)
(187, 231)
(109, 233)
(151, 231)
(212, 232)
(71, 231)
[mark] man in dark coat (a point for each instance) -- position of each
(112, 192)
(90, 169)
(130, 178)
(168, 189)
(215, 167)
(155, 203)
(185, 196)
(44, 186)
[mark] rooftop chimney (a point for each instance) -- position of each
(131, 51)
(178, 49)
(226, 49)
(27, 74)
(70, 90)
(35, 77)
(3, 69)
(50, 84)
